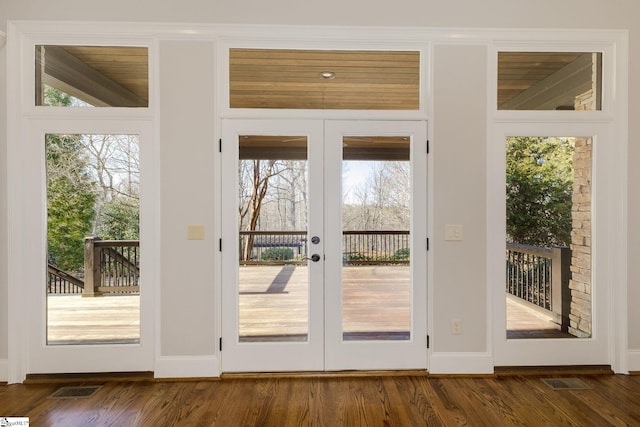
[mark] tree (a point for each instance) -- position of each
(120, 220)
(539, 188)
(382, 202)
(114, 162)
(70, 195)
(254, 183)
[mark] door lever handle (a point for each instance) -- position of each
(314, 258)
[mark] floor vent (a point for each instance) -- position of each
(79, 392)
(566, 384)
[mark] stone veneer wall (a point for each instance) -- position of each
(580, 284)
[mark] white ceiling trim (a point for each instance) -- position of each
(309, 33)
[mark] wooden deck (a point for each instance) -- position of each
(74, 319)
(523, 322)
(273, 306)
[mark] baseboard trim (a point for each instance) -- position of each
(187, 367)
(633, 361)
(325, 374)
(89, 377)
(460, 364)
(4, 370)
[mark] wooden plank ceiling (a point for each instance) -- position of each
(362, 80)
(294, 147)
(523, 72)
(102, 76)
(128, 66)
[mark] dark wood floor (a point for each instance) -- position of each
(329, 401)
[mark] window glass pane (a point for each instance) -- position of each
(273, 301)
(93, 243)
(548, 251)
(92, 76)
(376, 238)
(549, 81)
(322, 79)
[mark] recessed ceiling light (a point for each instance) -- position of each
(327, 75)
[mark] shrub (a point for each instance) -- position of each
(355, 256)
(402, 254)
(277, 254)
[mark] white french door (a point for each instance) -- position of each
(324, 245)
(67, 330)
(272, 313)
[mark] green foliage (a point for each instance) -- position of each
(539, 190)
(56, 98)
(120, 220)
(355, 256)
(70, 202)
(402, 254)
(277, 254)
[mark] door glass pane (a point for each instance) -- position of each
(548, 252)
(550, 81)
(273, 277)
(93, 246)
(376, 223)
(92, 76)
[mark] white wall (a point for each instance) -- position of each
(460, 267)
(187, 180)
(434, 13)
(183, 158)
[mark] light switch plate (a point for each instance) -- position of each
(453, 232)
(195, 232)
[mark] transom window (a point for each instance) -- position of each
(93, 76)
(324, 79)
(550, 81)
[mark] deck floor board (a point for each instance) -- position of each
(274, 299)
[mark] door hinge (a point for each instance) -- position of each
(220, 145)
(427, 243)
(220, 343)
(220, 245)
(427, 146)
(427, 341)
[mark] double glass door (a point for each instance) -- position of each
(324, 245)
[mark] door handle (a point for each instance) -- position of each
(314, 258)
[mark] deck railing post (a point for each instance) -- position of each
(92, 271)
(560, 278)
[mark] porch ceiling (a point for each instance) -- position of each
(295, 147)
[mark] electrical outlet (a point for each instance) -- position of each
(456, 327)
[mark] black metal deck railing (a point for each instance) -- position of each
(540, 276)
(358, 247)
